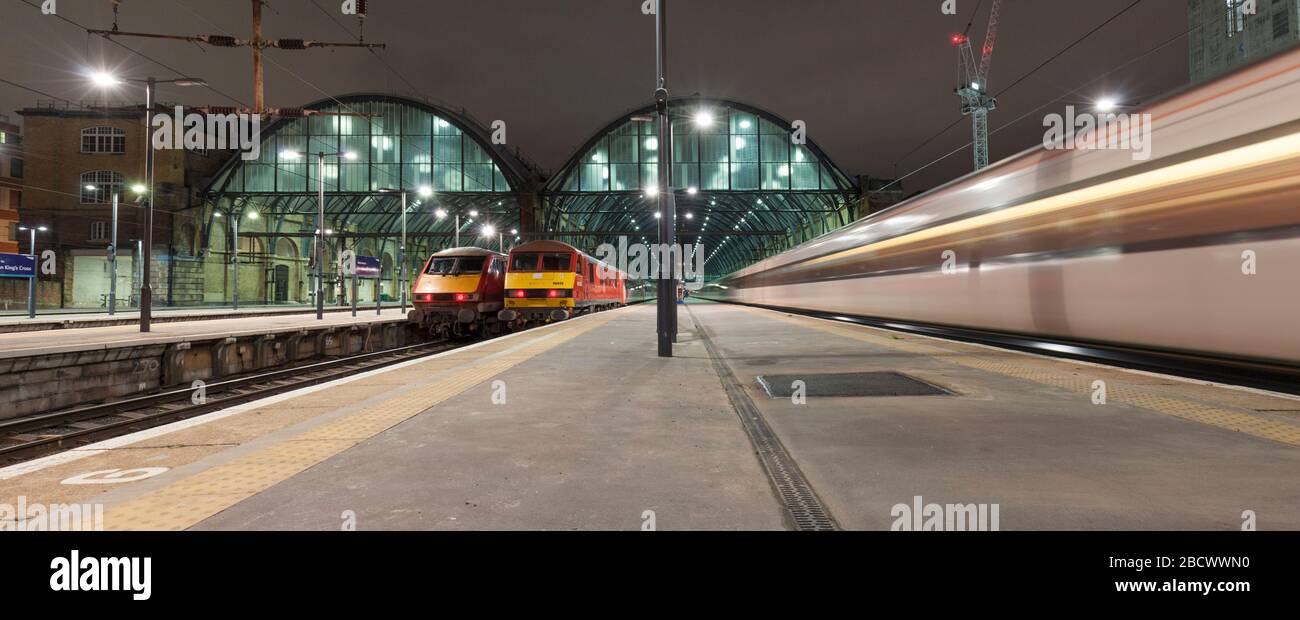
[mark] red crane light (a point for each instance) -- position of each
(958, 39)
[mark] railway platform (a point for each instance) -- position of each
(762, 421)
(77, 319)
(45, 370)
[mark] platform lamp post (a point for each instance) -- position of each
(320, 220)
(442, 213)
(107, 80)
(234, 257)
(31, 283)
(667, 287)
(424, 192)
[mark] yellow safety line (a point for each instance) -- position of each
(192, 499)
(1120, 393)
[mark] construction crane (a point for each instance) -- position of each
(973, 86)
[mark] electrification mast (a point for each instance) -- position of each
(974, 82)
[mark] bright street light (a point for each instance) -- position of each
(489, 230)
(440, 213)
(424, 191)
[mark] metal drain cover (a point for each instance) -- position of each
(850, 384)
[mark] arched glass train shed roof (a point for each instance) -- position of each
(749, 189)
(400, 143)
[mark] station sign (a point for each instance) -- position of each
(361, 266)
(17, 265)
(367, 267)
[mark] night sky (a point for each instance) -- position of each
(872, 78)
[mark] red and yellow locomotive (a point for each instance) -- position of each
(551, 280)
(459, 292)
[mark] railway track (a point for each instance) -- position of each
(29, 437)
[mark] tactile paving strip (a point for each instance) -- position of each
(192, 499)
(1037, 371)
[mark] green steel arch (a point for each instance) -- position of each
(749, 189)
(400, 143)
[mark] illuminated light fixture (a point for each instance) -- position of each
(424, 191)
(652, 144)
(350, 155)
(692, 191)
(1106, 104)
(440, 213)
(139, 188)
(690, 216)
(104, 79)
(652, 191)
(658, 215)
(90, 188)
(975, 85)
(473, 213)
(744, 124)
(740, 143)
(704, 118)
(252, 215)
(291, 155)
(513, 231)
(489, 230)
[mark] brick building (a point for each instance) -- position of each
(83, 155)
(11, 183)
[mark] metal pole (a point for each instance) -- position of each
(401, 255)
(354, 293)
(112, 263)
(666, 304)
(320, 238)
(457, 230)
(146, 292)
(235, 221)
(31, 282)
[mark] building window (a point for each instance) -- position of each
(98, 231)
(103, 140)
(98, 186)
(16, 168)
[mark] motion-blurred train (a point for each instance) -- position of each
(1195, 250)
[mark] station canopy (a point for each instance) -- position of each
(744, 188)
(742, 185)
(399, 143)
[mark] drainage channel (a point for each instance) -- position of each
(802, 506)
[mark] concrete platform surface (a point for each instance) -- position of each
(579, 425)
(26, 343)
(47, 319)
